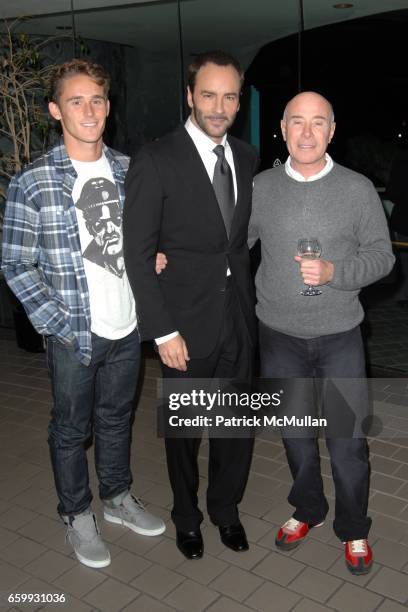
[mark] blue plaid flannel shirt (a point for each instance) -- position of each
(42, 259)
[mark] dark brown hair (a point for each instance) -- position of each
(73, 68)
(220, 58)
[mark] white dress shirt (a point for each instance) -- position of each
(205, 145)
(299, 177)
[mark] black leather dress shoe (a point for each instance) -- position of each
(190, 543)
(234, 537)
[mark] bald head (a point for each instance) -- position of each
(307, 128)
(306, 97)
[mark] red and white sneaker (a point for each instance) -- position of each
(359, 557)
(291, 534)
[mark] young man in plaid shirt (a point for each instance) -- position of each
(62, 257)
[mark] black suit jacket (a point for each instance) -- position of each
(171, 207)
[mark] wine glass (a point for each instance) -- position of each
(309, 247)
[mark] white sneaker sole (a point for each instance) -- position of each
(93, 564)
(139, 530)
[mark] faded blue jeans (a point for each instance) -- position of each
(92, 401)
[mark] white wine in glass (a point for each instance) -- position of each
(310, 248)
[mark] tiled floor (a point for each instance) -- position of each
(149, 574)
(387, 331)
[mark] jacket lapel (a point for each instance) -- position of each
(241, 174)
(194, 177)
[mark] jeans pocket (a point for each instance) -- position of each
(58, 342)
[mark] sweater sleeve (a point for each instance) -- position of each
(374, 258)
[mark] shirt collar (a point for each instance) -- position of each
(61, 159)
(116, 166)
(64, 163)
(299, 177)
(203, 142)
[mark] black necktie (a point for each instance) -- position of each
(224, 187)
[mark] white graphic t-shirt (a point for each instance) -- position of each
(96, 198)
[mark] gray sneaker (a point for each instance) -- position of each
(125, 509)
(84, 536)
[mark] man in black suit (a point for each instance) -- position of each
(189, 196)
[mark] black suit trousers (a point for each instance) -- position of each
(229, 458)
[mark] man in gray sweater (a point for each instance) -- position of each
(309, 337)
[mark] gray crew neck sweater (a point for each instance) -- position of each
(342, 210)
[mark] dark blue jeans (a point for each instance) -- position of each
(95, 400)
(337, 356)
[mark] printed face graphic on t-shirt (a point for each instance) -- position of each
(99, 202)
